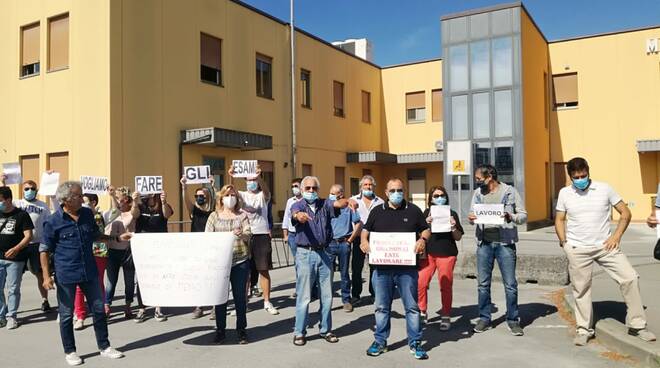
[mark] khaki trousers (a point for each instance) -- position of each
(616, 264)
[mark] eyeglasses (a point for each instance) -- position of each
(29, 188)
(395, 190)
(311, 188)
(438, 195)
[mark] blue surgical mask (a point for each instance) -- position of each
(296, 191)
(581, 183)
(440, 201)
(332, 197)
(200, 200)
(310, 196)
(368, 193)
(396, 198)
(2, 207)
(30, 195)
(252, 186)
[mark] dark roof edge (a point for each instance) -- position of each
(628, 30)
(259, 11)
(481, 10)
(538, 29)
(412, 63)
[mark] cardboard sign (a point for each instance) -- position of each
(13, 172)
(440, 215)
(392, 249)
(149, 184)
(489, 214)
(244, 168)
(94, 184)
(49, 183)
(197, 174)
(183, 269)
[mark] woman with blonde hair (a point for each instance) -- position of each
(228, 217)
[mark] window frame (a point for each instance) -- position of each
(567, 105)
(49, 69)
(336, 111)
(220, 82)
(22, 67)
(416, 109)
(368, 107)
(306, 89)
(265, 59)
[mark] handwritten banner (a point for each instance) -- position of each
(392, 249)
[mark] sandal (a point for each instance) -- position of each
(330, 337)
(299, 340)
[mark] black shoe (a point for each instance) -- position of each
(515, 328)
(219, 337)
(45, 306)
(242, 337)
(481, 326)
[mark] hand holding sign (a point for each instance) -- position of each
(441, 216)
(49, 182)
(196, 175)
(489, 214)
(244, 169)
(94, 184)
(393, 249)
(11, 173)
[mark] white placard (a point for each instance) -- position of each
(13, 172)
(489, 214)
(183, 269)
(197, 174)
(657, 227)
(149, 184)
(49, 183)
(244, 168)
(440, 215)
(392, 249)
(458, 157)
(94, 184)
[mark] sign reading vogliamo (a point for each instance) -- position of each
(94, 184)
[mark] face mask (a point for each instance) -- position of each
(332, 197)
(252, 186)
(200, 200)
(367, 193)
(582, 183)
(441, 201)
(229, 201)
(296, 191)
(482, 185)
(396, 198)
(30, 194)
(86, 205)
(310, 196)
(3, 207)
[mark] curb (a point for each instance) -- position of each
(614, 335)
(530, 268)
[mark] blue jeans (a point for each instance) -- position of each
(405, 281)
(343, 252)
(292, 244)
(238, 278)
(505, 255)
(119, 259)
(313, 266)
(66, 294)
(11, 273)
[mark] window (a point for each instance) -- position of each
(306, 170)
(30, 50)
(338, 98)
(264, 76)
(58, 42)
(459, 117)
(502, 61)
(415, 107)
(481, 115)
(306, 88)
(565, 90)
(436, 104)
(366, 107)
(503, 114)
(504, 161)
(479, 65)
(210, 49)
(458, 69)
(340, 175)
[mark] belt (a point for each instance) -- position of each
(341, 240)
(311, 247)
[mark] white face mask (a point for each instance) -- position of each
(229, 201)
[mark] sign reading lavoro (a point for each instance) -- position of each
(149, 184)
(392, 249)
(489, 214)
(244, 168)
(94, 184)
(197, 174)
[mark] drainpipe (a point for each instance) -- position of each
(294, 147)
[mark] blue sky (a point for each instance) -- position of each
(409, 30)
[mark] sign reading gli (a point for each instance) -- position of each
(197, 174)
(149, 184)
(244, 168)
(94, 184)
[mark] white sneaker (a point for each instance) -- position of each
(73, 359)
(111, 353)
(79, 324)
(12, 323)
(268, 306)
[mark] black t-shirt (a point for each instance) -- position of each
(443, 244)
(199, 218)
(150, 221)
(13, 224)
(408, 218)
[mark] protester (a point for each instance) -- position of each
(255, 203)
(366, 200)
(69, 234)
(228, 217)
(199, 211)
(311, 217)
(582, 223)
(497, 242)
(441, 252)
(346, 227)
(15, 235)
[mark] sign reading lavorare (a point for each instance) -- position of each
(94, 184)
(392, 249)
(149, 184)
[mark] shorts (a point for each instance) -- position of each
(33, 262)
(262, 252)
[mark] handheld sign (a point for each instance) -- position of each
(440, 215)
(489, 214)
(392, 249)
(49, 183)
(94, 184)
(244, 168)
(13, 172)
(197, 174)
(149, 184)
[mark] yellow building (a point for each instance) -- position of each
(126, 88)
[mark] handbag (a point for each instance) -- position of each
(656, 251)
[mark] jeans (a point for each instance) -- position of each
(357, 264)
(505, 255)
(343, 252)
(313, 266)
(119, 259)
(292, 244)
(65, 296)
(405, 281)
(238, 279)
(11, 273)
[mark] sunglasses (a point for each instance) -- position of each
(295, 186)
(199, 196)
(311, 188)
(395, 190)
(29, 188)
(438, 195)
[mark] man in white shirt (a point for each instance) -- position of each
(366, 201)
(582, 224)
(287, 227)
